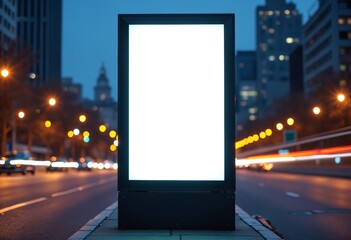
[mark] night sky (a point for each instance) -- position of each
(90, 30)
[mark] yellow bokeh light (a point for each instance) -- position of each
(47, 123)
(279, 126)
(290, 121)
(82, 118)
(70, 134)
(255, 137)
(113, 133)
(113, 148)
(262, 135)
(102, 128)
(268, 132)
(86, 134)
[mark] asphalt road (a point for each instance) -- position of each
(53, 205)
(299, 206)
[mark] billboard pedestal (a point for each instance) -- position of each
(176, 210)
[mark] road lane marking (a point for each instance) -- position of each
(19, 205)
(81, 188)
(292, 194)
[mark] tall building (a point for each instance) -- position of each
(103, 102)
(278, 31)
(7, 23)
(327, 44)
(246, 87)
(74, 89)
(39, 29)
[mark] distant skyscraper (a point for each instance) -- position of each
(103, 101)
(7, 23)
(39, 28)
(278, 31)
(327, 44)
(246, 85)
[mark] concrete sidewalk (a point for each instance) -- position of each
(104, 226)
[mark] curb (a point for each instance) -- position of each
(92, 224)
(256, 225)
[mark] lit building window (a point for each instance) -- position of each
(270, 13)
(349, 20)
(341, 20)
(281, 57)
(271, 58)
(241, 65)
(287, 57)
(264, 27)
(252, 117)
(253, 110)
(261, 13)
(297, 40)
(289, 40)
(287, 12)
(271, 30)
(343, 67)
(277, 12)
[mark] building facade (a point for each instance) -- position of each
(7, 23)
(327, 44)
(73, 89)
(39, 29)
(278, 31)
(246, 87)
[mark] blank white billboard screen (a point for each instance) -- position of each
(176, 102)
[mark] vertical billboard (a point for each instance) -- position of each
(176, 102)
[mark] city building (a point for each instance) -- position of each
(278, 31)
(103, 102)
(246, 87)
(327, 44)
(7, 23)
(73, 89)
(39, 29)
(296, 73)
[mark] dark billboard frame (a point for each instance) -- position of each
(124, 184)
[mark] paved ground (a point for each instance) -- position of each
(104, 226)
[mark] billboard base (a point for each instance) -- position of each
(176, 210)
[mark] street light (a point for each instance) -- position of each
(290, 121)
(52, 101)
(21, 114)
(5, 72)
(341, 97)
(316, 110)
(279, 126)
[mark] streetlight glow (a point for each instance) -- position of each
(279, 126)
(21, 114)
(5, 72)
(52, 101)
(341, 97)
(316, 110)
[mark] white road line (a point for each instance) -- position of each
(19, 205)
(292, 194)
(80, 188)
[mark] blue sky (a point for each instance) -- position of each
(90, 31)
